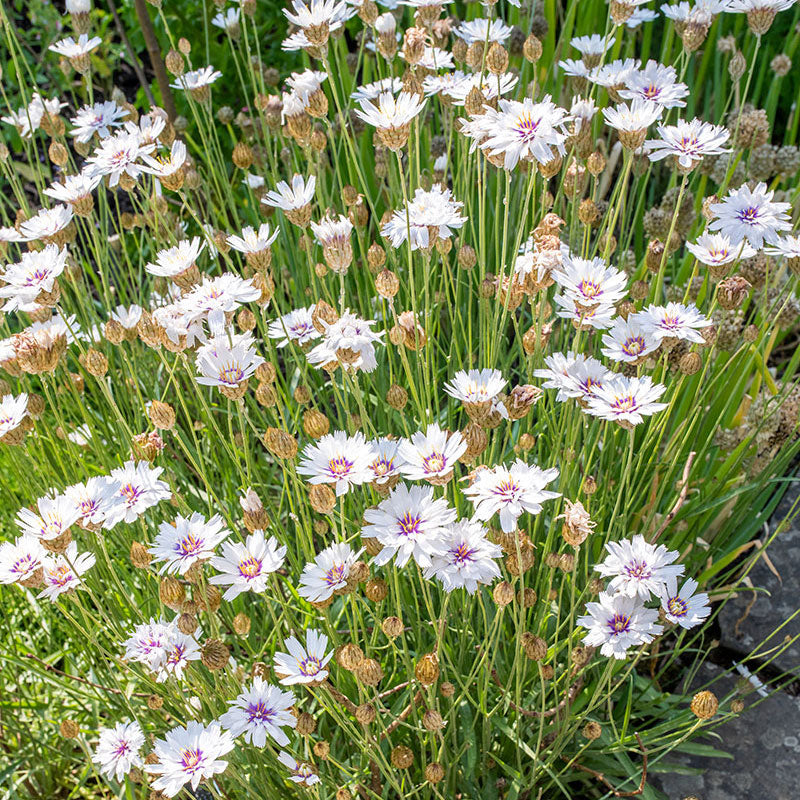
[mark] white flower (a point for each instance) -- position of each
(391, 115)
(227, 20)
(140, 488)
(301, 772)
(100, 118)
(457, 86)
(315, 13)
(259, 711)
(307, 83)
(483, 30)
(573, 375)
(371, 91)
(511, 492)
(63, 573)
(633, 119)
(303, 664)
(674, 320)
(197, 78)
(162, 166)
(12, 411)
(128, 316)
(590, 282)
(524, 130)
(431, 456)
(688, 142)
(339, 459)
(786, 247)
(178, 652)
(349, 342)
(333, 233)
(187, 755)
(714, 249)
(328, 573)
(433, 209)
(96, 499)
(73, 188)
(71, 48)
(21, 559)
(294, 197)
(626, 400)
(117, 751)
(46, 223)
(225, 365)
(434, 58)
(296, 326)
(594, 45)
(150, 642)
(750, 215)
(468, 558)
(247, 567)
(387, 462)
(476, 386)
(56, 515)
(638, 567)
(78, 6)
(35, 273)
(684, 607)
(629, 340)
(409, 523)
(187, 540)
(746, 6)
(254, 241)
(118, 155)
(616, 623)
(656, 83)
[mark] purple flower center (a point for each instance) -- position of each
(619, 623)
(259, 712)
(638, 570)
(434, 462)
(677, 607)
(339, 466)
(191, 758)
(189, 545)
(409, 524)
(250, 567)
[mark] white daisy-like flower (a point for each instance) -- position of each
(187, 540)
(631, 122)
(303, 663)
(225, 365)
(161, 165)
(391, 115)
(457, 89)
(787, 247)
(716, 250)
(178, 653)
(291, 198)
(118, 749)
(46, 223)
(140, 488)
(754, 6)
(188, 755)
(684, 607)
(675, 320)
(435, 209)
(575, 68)
(127, 316)
(307, 83)
(751, 215)
(511, 492)
(75, 48)
(637, 567)
(434, 58)
(410, 523)
(349, 342)
(468, 559)
(55, 517)
(371, 91)
(296, 326)
(483, 30)
(64, 573)
(629, 340)
(247, 567)
(386, 466)
(35, 273)
(626, 400)
(13, 410)
(99, 118)
(118, 155)
(21, 560)
(688, 142)
(314, 14)
(260, 711)
(592, 48)
(227, 20)
(616, 623)
(73, 188)
(615, 74)
(333, 233)
(252, 240)
(575, 376)
(656, 83)
(197, 79)
(150, 642)
(300, 772)
(338, 459)
(431, 455)
(96, 499)
(327, 573)
(589, 282)
(476, 386)
(640, 16)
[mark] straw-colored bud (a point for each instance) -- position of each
(532, 49)
(94, 362)
(426, 670)
(397, 397)
(58, 154)
(402, 757)
(315, 423)
(690, 363)
(369, 672)
(592, 730)
(174, 63)
(140, 556)
(376, 257)
(349, 657)
(306, 724)
(737, 66)
(69, 729)
(280, 443)
(162, 415)
(392, 627)
(535, 647)
(733, 291)
(241, 624)
(187, 624)
(432, 720)
(322, 498)
(214, 654)
(503, 593)
(434, 773)
(497, 58)
(171, 592)
(704, 705)
(365, 714)
(387, 283)
(467, 257)
(376, 590)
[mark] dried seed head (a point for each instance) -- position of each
(306, 724)
(737, 66)
(535, 647)
(434, 773)
(532, 49)
(503, 593)
(69, 729)
(365, 714)
(690, 363)
(140, 556)
(171, 592)
(592, 730)
(350, 657)
(369, 672)
(397, 397)
(432, 720)
(174, 63)
(187, 624)
(315, 423)
(241, 624)
(280, 443)
(497, 58)
(402, 757)
(392, 627)
(376, 590)
(155, 702)
(322, 498)
(467, 257)
(162, 415)
(733, 291)
(387, 283)
(214, 654)
(426, 670)
(704, 705)
(447, 689)
(578, 525)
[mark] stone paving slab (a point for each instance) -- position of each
(764, 741)
(743, 633)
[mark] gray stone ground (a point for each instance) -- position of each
(764, 739)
